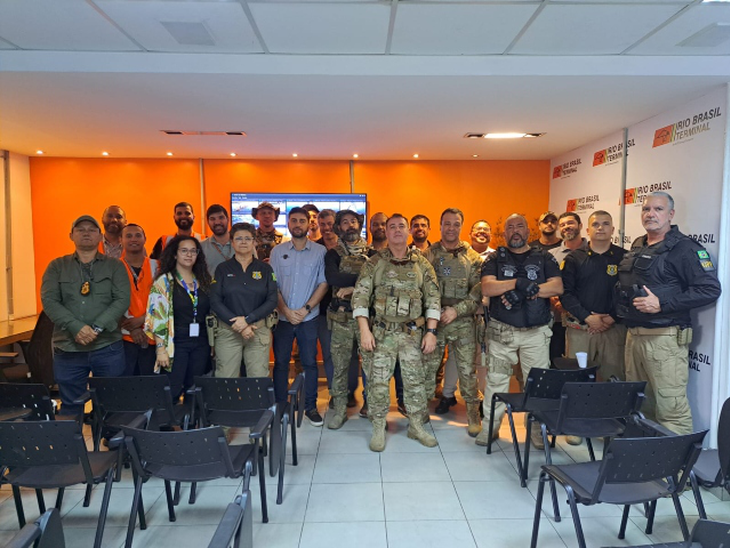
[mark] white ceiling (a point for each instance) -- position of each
(327, 79)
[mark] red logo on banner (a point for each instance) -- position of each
(572, 205)
(663, 136)
(599, 158)
(630, 196)
(557, 172)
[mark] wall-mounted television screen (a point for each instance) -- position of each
(243, 202)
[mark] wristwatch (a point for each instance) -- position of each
(431, 330)
(307, 307)
(97, 329)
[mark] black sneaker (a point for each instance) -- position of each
(315, 419)
(351, 401)
(444, 405)
(364, 411)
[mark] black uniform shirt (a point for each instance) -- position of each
(588, 281)
(251, 293)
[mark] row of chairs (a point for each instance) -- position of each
(155, 436)
(642, 461)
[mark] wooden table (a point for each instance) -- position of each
(17, 330)
(14, 413)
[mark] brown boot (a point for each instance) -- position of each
(417, 432)
(474, 419)
(536, 437)
(377, 441)
(339, 414)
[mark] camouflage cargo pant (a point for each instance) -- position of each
(392, 345)
(459, 336)
(344, 337)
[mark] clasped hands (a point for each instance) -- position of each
(246, 330)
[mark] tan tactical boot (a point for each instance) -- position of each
(417, 432)
(339, 414)
(483, 437)
(536, 437)
(474, 419)
(377, 441)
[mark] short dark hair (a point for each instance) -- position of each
(240, 227)
(184, 204)
(326, 213)
(299, 210)
(134, 224)
(600, 212)
(415, 218)
(309, 208)
(453, 211)
(480, 221)
(399, 216)
(216, 208)
(570, 214)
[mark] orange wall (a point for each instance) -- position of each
(62, 189)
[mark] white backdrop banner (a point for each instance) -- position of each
(680, 152)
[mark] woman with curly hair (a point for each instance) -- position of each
(176, 311)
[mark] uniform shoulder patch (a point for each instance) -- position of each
(273, 276)
(705, 261)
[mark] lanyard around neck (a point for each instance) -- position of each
(192, 294)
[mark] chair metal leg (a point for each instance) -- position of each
(697, 495)
(87, 496)
(526, 458)
(294, 458)
(282, 460)
(176, 497)
(680, 516)
(650, 517)
(491, 424)
(576, 518)
(19, 506)
(170, 505)
(262, 486)
(549, 460)
(591, 454)
(41, 501)
(133, 513)
(104, 508)
(193, 493)
(624, 521)
(516, 446)
(538, 509)
(59, 498)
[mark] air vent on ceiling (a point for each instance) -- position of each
(709, 37)
(189, 34)
(204, 133)
(474, 135)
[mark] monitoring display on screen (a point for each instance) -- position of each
(243, 202)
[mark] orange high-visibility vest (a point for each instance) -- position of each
(140, 291)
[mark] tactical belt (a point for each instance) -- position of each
(512, 327)
(406, 327)
(450, 301)
(342, 316)
(671, 330)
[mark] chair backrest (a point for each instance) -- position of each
(236, 527)
(548, 383)
(42, 443)
(638, 460)
(152, 449)
(711, 534)
(601, 400)
(131, 394)
(723, 442)
(39, 352)
(33, 396)
(45, 532)
(235, 401)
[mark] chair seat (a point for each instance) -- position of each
(62, 475)
(583, 427)
(234, 419)
(584, 476)
(203, 472)
(707, 467)
(516, 400)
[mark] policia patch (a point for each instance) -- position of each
(705, 261)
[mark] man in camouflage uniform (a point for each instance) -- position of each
(400, 285)
(342, 265)
(266, 234)
(457, 268)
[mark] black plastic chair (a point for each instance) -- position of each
(236, 526)
(45, 532)
(542, 391)
(589, 410)
(191, 456)
(705, 534)
(239, 403)
(32, 396)
(633, 471)
(53, 455)
(713, 465)
(38, 355)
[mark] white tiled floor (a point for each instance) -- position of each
(342, 494)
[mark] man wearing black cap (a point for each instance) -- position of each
(85, 294)
(266, 234)
(548, 239)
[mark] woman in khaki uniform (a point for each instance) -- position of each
(243, 296)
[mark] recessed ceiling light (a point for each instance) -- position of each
(105, 153)
(475, 155)
(504, 135)
(415, 155)
(233, 154)
(355, 155)
(169, 153)
(295, 155)
(39, 152)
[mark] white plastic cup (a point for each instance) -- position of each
(582, 358)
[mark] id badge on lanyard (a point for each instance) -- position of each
(194, 326)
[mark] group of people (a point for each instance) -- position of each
(397, 307)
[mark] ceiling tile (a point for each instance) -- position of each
(344, 28)
(689, 23)
(591, 29)
(225, 22)
(454, 29)
(59, 25)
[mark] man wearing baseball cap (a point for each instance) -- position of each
(266, 234)
(85, 294)
(548, 223)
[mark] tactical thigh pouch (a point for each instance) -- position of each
(500, 333)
